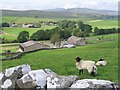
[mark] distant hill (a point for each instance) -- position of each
(85, 10)
(61, 12)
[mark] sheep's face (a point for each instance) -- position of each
(101, 59)
(78, 59)
(94, 71)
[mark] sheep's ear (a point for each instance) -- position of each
(101, 59)
(76, 57)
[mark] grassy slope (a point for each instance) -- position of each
(21, 20)
(105, 24)
(14, 32)
(99, 24)
(62, 60)
(94, 39)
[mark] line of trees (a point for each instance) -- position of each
(44, 35)
(65, 29)
(98, 31)
(5, 24)
(77, 28)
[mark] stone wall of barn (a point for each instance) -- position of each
(81, 42)
(35, 47)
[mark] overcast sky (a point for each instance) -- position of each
(52, 4)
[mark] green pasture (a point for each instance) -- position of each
(102, 38)
(94, 23)
(21, 20)
(104, 23)
(12, 33)
(62, 61)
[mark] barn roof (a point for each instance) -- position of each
(30, 43)
(74, 39)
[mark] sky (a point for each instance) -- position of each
(52, 4)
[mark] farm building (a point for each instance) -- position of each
(65, 44)
(28, 25)
(14, 25)
(76, 40)
(32, 46)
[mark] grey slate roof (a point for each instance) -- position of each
(30, 43)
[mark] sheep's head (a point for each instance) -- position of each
(78, 59)
(101, 59)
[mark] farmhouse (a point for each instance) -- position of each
(28, 25)
(32, 46)
(76, 41)
(65, 44)
(14, 25)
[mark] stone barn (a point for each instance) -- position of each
(76, 41)
(28, 25)
(32, 46)
(14, 25)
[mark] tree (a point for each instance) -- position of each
(23, 36)
(55, 38)
(80, 25)
(5, 24)
(67, 24)
(75, 31)
(39, 35)
(96, 31)
(65, 34)
(72, 25)
(37, 25)
(87, 28)
(80, 34)
(36, 16)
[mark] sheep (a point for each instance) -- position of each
(101, 62)
(89, 65)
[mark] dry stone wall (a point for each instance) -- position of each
(22, 77)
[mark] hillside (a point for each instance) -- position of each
(64, 13)
(65, 58)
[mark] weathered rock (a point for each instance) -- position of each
(1, 77)
(18, 70)
(49, 72)
(56, 81)
(7, 84)
(93, 84)
(12, 74)
(21, 77)
(35, 78)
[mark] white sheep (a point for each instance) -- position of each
(89, 65)
(101, 62)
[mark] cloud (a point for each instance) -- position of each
(51, 4)
(70, 5)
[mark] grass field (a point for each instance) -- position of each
(12, 33)
(21, 20)
(62, 61)
(104, 23)
(103, 38)
(94, 23)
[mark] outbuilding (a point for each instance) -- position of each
(76, 41)
(32, 46)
